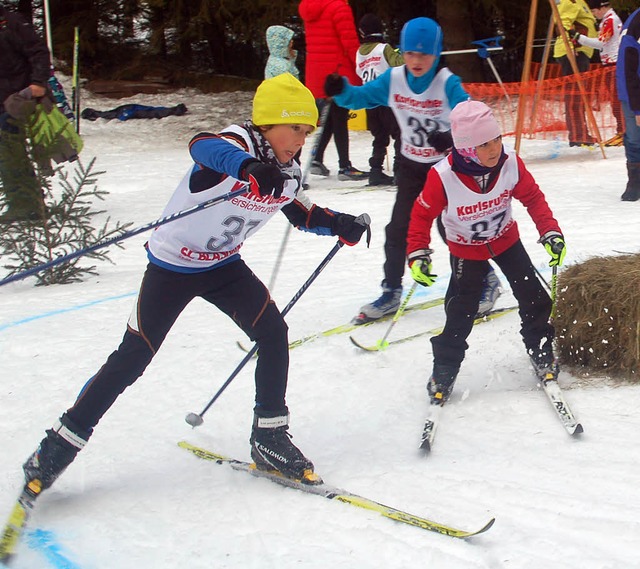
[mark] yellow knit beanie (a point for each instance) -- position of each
(284, 100)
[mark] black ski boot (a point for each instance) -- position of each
(543, 362)
(56, 451)
(440, 384)
(272, 449)
(378, 178)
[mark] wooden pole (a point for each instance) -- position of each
(574, 66)
(526, 73)
(541, 74)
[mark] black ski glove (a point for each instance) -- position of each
(264, 179)
(441, 141)
(333, 85)
(350, 228)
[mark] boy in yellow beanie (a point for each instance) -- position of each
(199, 256)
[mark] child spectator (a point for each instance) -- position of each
(473, 189)
(199, 256)
(607, 42)
(282, 56)
(374, 57)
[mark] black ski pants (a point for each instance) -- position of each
(337, 125)
(463, 297)
(163, 295)
(383, 126)
(410, 176)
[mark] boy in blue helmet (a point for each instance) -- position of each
(421, 93)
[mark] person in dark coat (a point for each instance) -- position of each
(25, 67)
(628, 83)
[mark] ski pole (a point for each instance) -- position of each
(554, 290)
(305, 174)
(542, 279)
(195, 420)
(123, 236)
(382, 344)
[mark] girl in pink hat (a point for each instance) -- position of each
(473, 189)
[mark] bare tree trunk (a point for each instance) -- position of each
(455, 17)
(25, 7)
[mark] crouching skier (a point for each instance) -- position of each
(198, 256)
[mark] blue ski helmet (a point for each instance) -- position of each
(422, 35)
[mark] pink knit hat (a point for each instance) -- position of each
(472, 124)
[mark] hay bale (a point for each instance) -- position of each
(598, 316)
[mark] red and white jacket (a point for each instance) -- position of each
(608, 40)
(478, 225)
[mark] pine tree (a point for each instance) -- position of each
(66, 226)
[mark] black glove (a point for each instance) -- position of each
(574, 36)
(333, 85)
(264, 179)
(441, 141)
(350, 228)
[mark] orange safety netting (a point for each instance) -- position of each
(549, 100)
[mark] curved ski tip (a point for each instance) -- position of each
(487, 526)
(359, 345)
(578, 430)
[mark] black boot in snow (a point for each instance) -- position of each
(632, 191)
(56, 451)
(440, 384)
(378, 178)
(272, 449)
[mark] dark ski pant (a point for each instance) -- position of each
(383, 126)
(573, 104)
(463, 297)
(410, 176)
(163, 295)
(337, 125)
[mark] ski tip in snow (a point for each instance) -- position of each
(577, 430)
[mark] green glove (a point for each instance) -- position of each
(556, 247)
(420, 264)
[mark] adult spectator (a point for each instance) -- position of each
(576, 15)
(628, 83)
(25, 65)
(332, 43)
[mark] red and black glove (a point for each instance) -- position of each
(264, 179)
(350, 228)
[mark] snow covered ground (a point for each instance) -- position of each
(134, 500)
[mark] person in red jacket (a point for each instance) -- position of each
(473, 188)
(332, 43)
